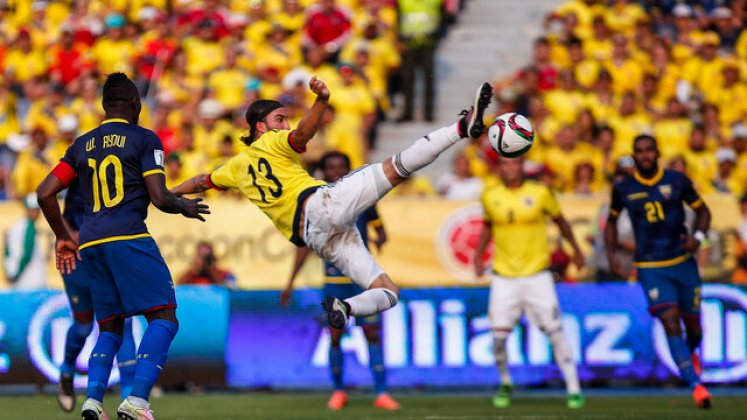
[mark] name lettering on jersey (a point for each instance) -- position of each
(665, 190)
(90, 144)
(638, 196)
(115, 140)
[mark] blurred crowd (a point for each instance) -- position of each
(199, 63)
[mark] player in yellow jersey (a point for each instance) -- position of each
(322, 216)
(515, 212)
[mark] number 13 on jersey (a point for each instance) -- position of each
(265, 170)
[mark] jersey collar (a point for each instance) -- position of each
(111, 120)
(650, 182)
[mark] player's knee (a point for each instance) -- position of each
(115, 326)
(82, 329)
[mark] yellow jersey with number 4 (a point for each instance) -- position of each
(518, 222)
(269, 173)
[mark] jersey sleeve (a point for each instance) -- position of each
(224, 177)
(279, 142)
(152, 159)
(550, 204)
(689, 195)
(485, 213)
(65, 170)
(616, 201)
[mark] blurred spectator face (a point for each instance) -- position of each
(567, 80)
(316, 56)
(536, 107)
(511, 170)
(584, 173)
(620, 46)
(604, 81)
(570, 22)
(627, 106)
(173, 166)
(678, 164)
(674, 108)
(362, 58)
(530, 81)
(39, 138)
(576, 52)
(710, 115)
(24, 41)
(586, 121)
(605, 139)
(335, 168)
(649, 86)
(231, 57)
(188, 138)
(278, 34)
(599, 27)
(731, 75)
(348, 75)
(541, 51)
(291, 7)
(697, 140)
(461, 167)
(226, 147)
(327, 6)
(567, 137)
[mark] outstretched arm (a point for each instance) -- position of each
(482, 243)
(311, 122)
(168, 202)
(196, 184)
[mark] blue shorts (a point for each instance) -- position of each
(343, 291)
(676, 285)
(78, 290)
(128, 277)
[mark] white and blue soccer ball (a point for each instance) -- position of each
(511, 135)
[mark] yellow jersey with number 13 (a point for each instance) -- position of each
(269, 173)
(518, 220)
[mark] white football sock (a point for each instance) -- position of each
(425, 150)
(371, 302)
(564, 359)
(138, 402)
(501, 357)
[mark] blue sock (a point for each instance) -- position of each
(126, 360)
(335, 367)
(74, 342)
(100, 364)
(681, 356)
(378, 371)
(151, 356)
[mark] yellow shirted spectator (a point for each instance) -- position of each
(601, 101)
(704, 72)
(316, 65)
(178, 84)
(23, 63)
(276, 52)
(626, 73)
(291, 17)
(414, 186)
(259, 26)
(627, 124)
(566, 102)
(599, 46)
(701, 162)
(731, 97)
(355, 110)
(563, 156)
(229, 81)
(210, 129)
(112, 52)
(673, 130)
(474, 154)
(33, 164)
(175, 173)
(48, 110)
(204, 53)
(87, 107)
(579, 8)
(623, 15)
(192, 160)
(9, 121)
(585, 70)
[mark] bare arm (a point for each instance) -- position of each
(381, 237)
(66, 249)
(167, 202)
(702, 224)
(567, 233)
(301, 254)
(311, 122)
(482, 243)
(196, 184)
(610, 242)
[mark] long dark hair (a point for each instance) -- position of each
(257, 112)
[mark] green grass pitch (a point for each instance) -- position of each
(427, 406)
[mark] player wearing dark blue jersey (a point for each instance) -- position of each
(664, 260)
(335, 165)
(119, 166)
(78, 290)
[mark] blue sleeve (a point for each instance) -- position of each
(616, 202)
(152, 159)
(689, 195)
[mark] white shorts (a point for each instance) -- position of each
(331, 212)
(534, 296)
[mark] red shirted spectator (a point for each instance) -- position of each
(158, 51)
(68, 59)
(327, 25)
(205, 271)
(547, 73)
(210, 11)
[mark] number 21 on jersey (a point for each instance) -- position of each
(654, 211)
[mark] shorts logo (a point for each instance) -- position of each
(666, 191)
(456, 241)
(653, 294)
(158, 157)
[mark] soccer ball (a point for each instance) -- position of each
(511, 135)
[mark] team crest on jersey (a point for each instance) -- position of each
(665, 190)
(653, 294)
